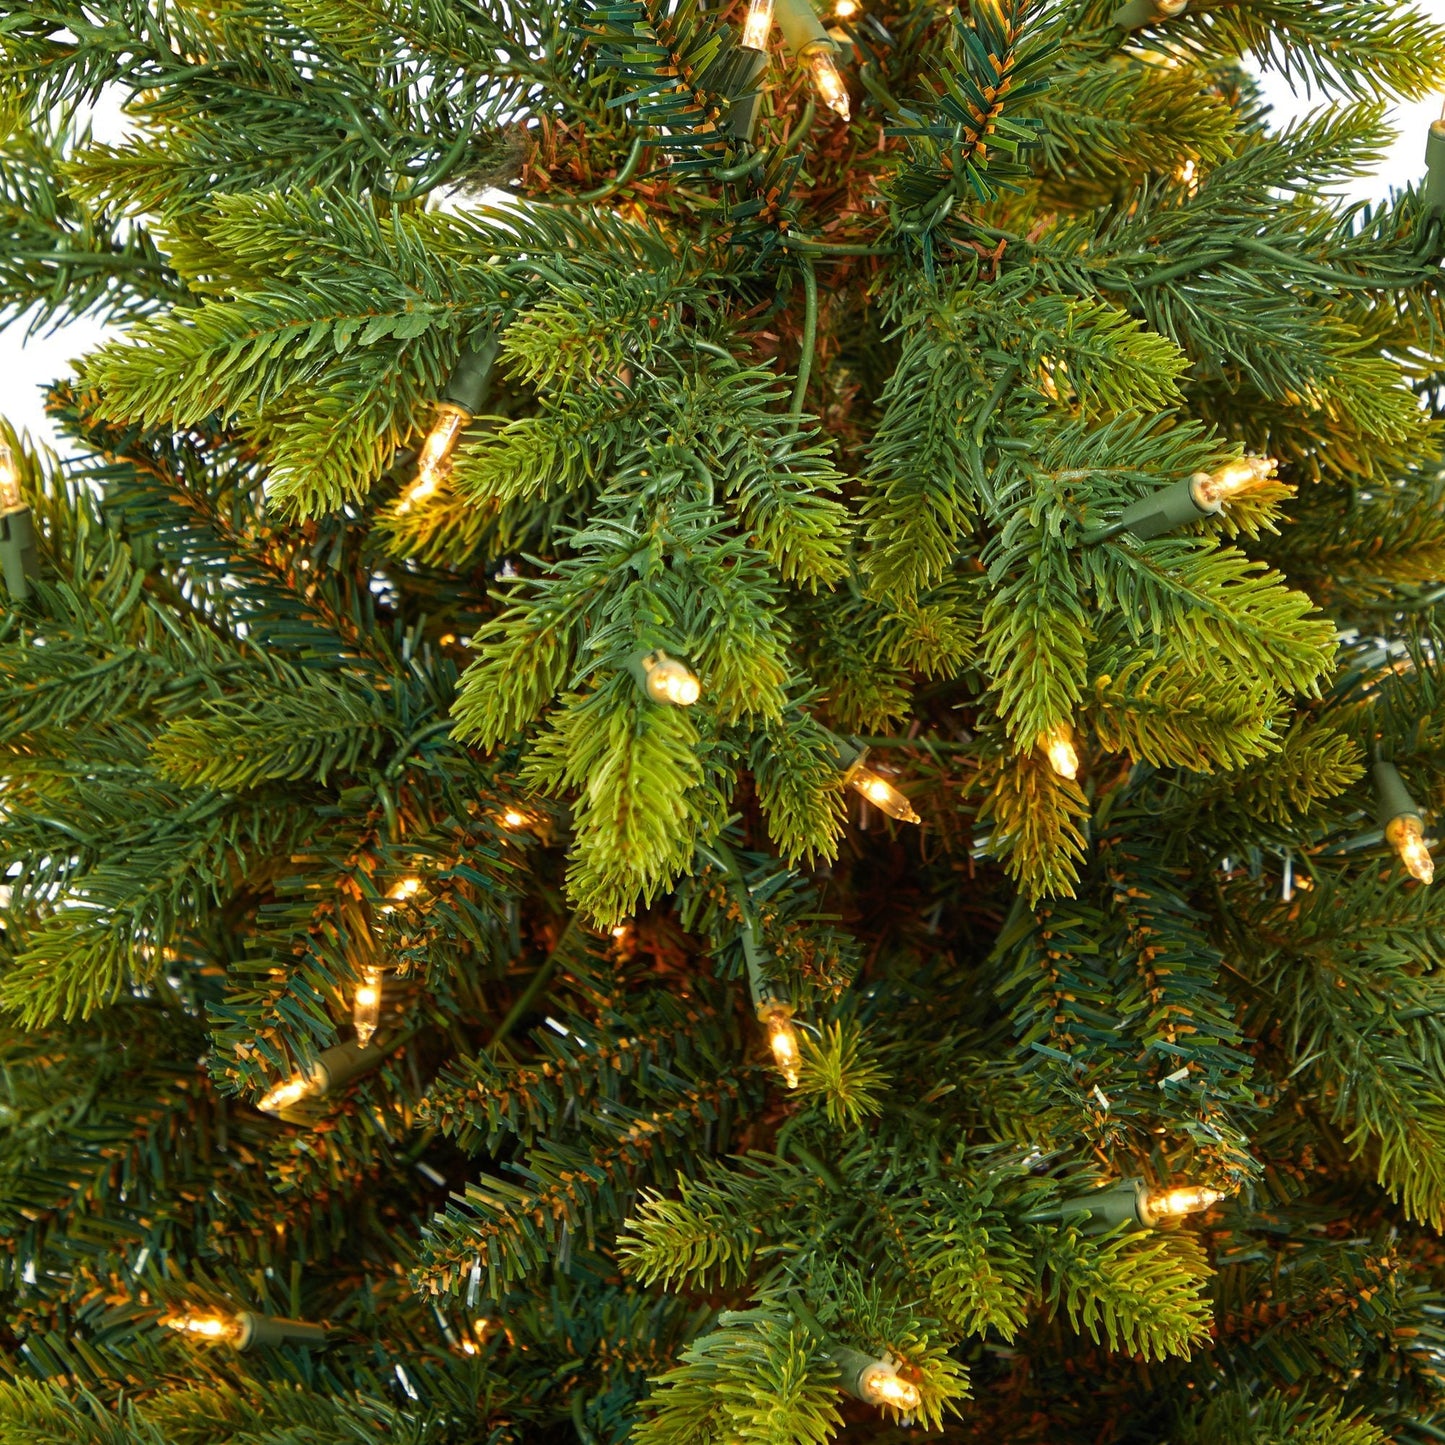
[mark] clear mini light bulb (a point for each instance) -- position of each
(670, 681)
(846, 9)
(1211, 490)
(757, 25)
(1406, 835)
(209, 1326)
(287, 1092)
(777, 1018)
(12, 499)
(884, 1386)
(1063, 757)
(366, 1005)
(1176, 1203)
(882, 794)
(827, 81)
(514, 818)
(434, 460)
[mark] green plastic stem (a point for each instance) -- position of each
(19, 559)
(1392, 797)
(471, 378)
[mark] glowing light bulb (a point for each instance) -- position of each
(777, 1018)
(670, 681)
(1063, 756)
(283, 1095)
(1211, 490)
(882, 794)
(826, 80)
(404, 888)
(1176, 1203)
(366, 1006)
(433, 462)
(12, 499)
(882, 1385)
(758, 25)
(846, 9)
(514, 818)
(206, 1327)
(1406, 835)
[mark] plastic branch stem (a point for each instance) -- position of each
(629, 169)
(535, 985)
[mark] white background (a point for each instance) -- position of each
(28, 363)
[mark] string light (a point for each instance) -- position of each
(1063, 756)
(283, 1095)
(1136, 1202)
(777, 1018)
(247, 1330)
(806, 39)
(12, 499)
(875, 1381)
(1211, 490)
(827, 81)
(883, 1386)
(846, 9)
(1201, 495)
(1403, 823)
(461, 399)
(366, 1005)
(514, 818)
(210, 1327)
(434, 461)
(666, 680)
(1176, 1203)
(1407, 837)
(404, 889)
(758, 25)
(19, 558)
(882, 794)
(333, 1068)
(873, 786)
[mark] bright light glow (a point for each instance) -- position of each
(434, 460)
(283, 1095)
(1190, 1199)
(206, 1327)
(829, 84)
(882, 794)
(758, 25)
(670, 681)
(1211, 490)
(777, 1018)
(426, 486)
(1406, 836)
(1168, 9)
(405, 888)
(846, 9)
(881, 1385)
(512, 818)
(436, 450)
(1063, 756)
(366, 1006)
(11, 497)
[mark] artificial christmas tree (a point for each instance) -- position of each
(727, 729)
